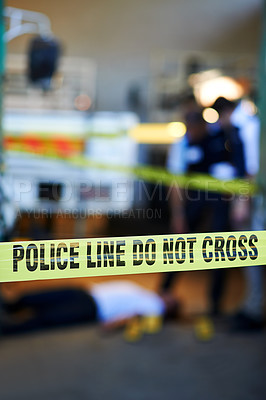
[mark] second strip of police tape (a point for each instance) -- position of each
(155, 175)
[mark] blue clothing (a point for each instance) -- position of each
(221, 155)
(201, 156)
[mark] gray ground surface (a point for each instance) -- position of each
(84, 363)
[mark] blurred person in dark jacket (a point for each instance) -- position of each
(217, 153)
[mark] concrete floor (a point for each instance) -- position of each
(83, 363)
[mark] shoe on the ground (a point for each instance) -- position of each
(243, 322)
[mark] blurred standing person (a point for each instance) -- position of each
(186, 156)
(247, 216)
(219, 154)
(233, 167)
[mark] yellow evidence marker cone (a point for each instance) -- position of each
(152, 324)
(133, 330)
(204, 329)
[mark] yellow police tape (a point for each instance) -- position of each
(53, 259)
(191, 181)
(157, 175)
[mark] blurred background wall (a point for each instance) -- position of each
(125, 37)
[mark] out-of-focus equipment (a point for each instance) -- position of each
(44, 131)
(41, 146)
(44, 49)
(43, 59)
(24, 21)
